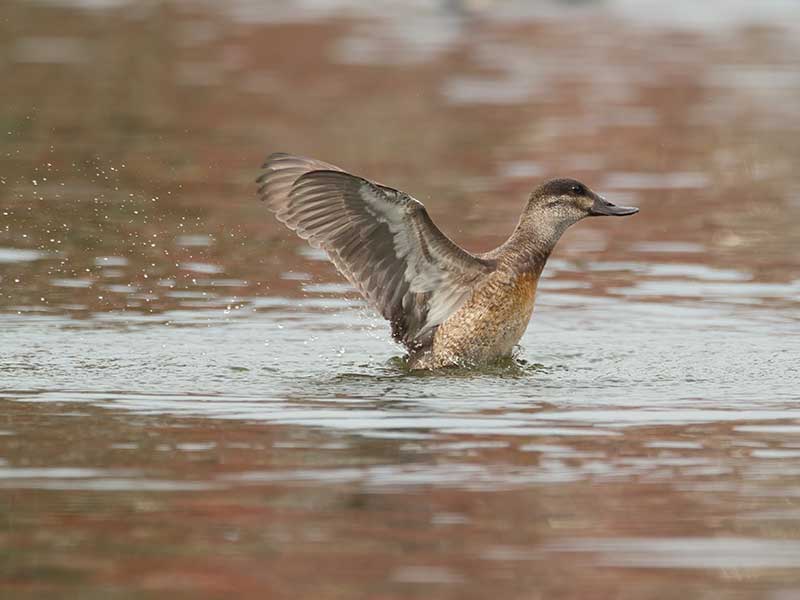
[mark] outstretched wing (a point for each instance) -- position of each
(380, 239)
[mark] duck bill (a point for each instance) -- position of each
(603, 207)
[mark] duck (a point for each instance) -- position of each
(448, 307)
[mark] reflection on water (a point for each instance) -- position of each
(195, 405)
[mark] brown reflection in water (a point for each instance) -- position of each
(130, 140)
(126, 131)
(340, 533)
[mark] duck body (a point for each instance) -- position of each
(487, 326)
(447, 306)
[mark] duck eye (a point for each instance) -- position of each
(576, 189)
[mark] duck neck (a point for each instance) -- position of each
(530, 245)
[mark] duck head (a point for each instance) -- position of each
(567, 201)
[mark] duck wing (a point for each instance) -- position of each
(381, 239)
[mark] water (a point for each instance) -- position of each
(195, 405)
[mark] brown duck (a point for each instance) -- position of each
(445, 305)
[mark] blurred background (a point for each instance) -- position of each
(195, 405)
(135, 131)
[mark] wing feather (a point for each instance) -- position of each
(381, 239)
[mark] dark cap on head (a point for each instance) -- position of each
(561, 187)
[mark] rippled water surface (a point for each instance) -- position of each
(194, 405)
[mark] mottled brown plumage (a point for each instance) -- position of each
(447, 306)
